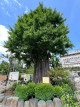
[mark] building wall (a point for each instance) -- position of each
(70, 60)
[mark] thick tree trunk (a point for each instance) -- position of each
(40, 70)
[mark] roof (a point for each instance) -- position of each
(72, 53)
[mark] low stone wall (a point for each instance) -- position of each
(16, 102)
(3, 77)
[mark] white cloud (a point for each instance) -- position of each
(3, 33)
(3, 50)
(3, 37)
(26, 11)
(18, 3)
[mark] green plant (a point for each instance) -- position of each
(44, 91)
(67, 89)
(4, 67)
(22, 82)
(69, 101)
(14, 85)
(30, 90)
(29, 81)
(72, 68)
(20, 92)
(66, 81)
(58, 91)
(36, 35)
(19, 76)
(58, 76)
(54, 61)
(25, 92)
(68, 97)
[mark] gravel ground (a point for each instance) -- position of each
(2, 88)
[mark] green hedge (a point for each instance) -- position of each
(44, 91)
(25, 92)
(72, 68)
(67, 89)
(58, 91)
(31, 90)
(20, 92)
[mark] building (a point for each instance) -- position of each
(71, 60)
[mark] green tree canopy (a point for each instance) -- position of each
(4, 67)
(54, 61)
(37, 34)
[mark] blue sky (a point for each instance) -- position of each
(11, 9)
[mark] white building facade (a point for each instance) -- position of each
(71, 60)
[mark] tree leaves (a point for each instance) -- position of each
(34, 33)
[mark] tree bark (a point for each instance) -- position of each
(40, 70)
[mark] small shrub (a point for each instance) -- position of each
(20, 92)
(60, 82)
(14, 85)
(69, 101)
(30, 90)
(58, 76)
(67, 89)
(22, 82)
(56, 82)
(29, 81)
(58, 91)
(26, 83)
(44, 91)
(66, 81)
(25, 92)
(72, 68)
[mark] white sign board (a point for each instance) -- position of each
(28, 77)
(13, 75)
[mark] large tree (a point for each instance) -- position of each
(36, 35)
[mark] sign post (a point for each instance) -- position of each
(14, 76)
(46, 80)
